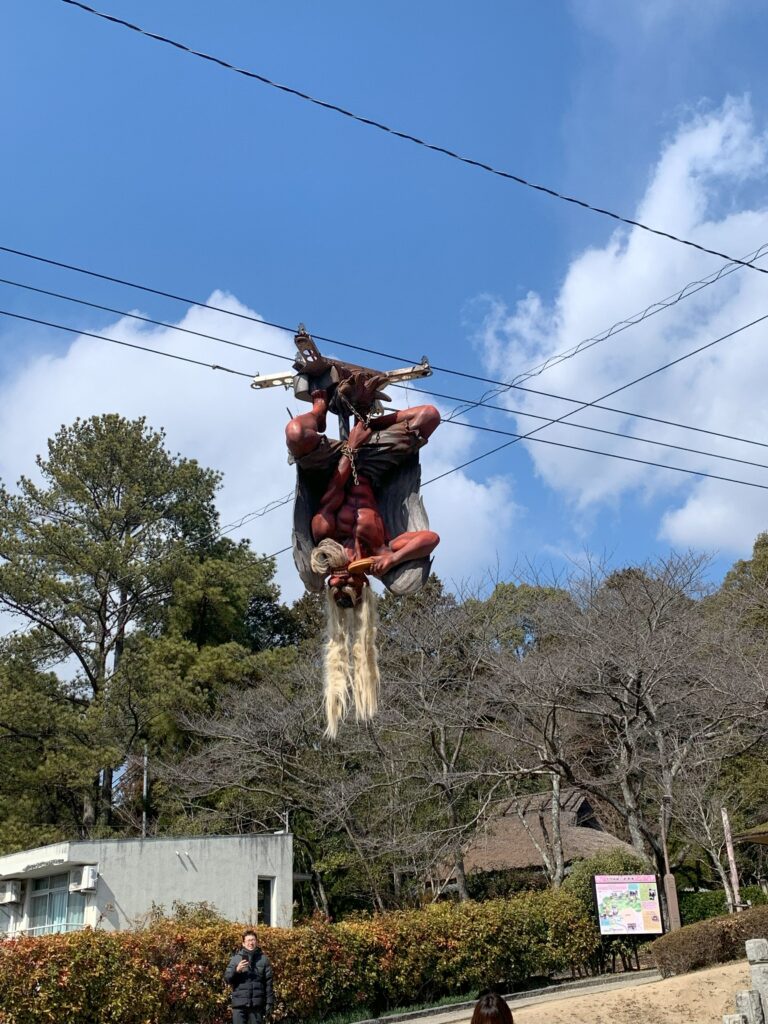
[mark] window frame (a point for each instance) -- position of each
(54, 923)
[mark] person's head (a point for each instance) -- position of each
(330, 559)
(491, 1009)
(346, 588)
(249, 939)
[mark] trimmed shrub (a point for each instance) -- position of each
(78, 977)
(700, 906)
(173, 974)
(709, 942)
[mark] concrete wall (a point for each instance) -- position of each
(134, 873)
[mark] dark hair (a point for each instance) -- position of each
(491, 1009)
(249, 931)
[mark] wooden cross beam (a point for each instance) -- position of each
(310, 364)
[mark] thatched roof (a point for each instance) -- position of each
(505, 842)
(757, 834)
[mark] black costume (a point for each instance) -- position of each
(252, 995)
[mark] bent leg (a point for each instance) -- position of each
(407, 547)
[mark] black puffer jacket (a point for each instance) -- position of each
(254, 986)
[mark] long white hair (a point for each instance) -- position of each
(351, 658)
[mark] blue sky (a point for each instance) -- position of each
(125, 156)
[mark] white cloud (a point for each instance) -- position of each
(621, 22)
(217, 419)
(694, 191)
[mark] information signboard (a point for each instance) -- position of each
(628, 905)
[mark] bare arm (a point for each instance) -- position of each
(424, 418)
(303, 433)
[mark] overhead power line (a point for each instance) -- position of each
(531, 434)
(585, 426)
(579, 448)
(125, 344)
(622, 325)
(407, 137)
(138, 316)
(650, 373)
(502, 385)
(644, 416)
(146, 288)
(462, 407)
(515, 437)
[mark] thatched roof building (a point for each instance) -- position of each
(506, 843)
(757, 834)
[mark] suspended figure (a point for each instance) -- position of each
(357, 513)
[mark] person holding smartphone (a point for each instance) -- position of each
(249, 973)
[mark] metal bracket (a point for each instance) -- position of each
(308, 359)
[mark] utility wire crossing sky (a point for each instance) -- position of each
(630, 222)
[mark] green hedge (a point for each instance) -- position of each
(172, 975)
(700, 906)
(709, 942)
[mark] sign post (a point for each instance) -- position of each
(628, 906)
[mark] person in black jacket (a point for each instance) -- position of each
(249, 972)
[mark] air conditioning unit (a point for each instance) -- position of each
(84, 879)
(10, 891)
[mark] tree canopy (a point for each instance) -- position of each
(140, 626)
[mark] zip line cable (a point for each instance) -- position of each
(650, 373)
(640, 379)
(615, 391)
(138, 316)
(502, 385)
(548, 422)
(560, 357)
(515, 437)
(258, 513)
(656, 307)
(405, 136)
(578, 448)
(586, 426)
(126, 344)
(462, 408)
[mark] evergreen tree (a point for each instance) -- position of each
(92, 550)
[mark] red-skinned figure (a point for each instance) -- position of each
(347, 492)
(348, 511)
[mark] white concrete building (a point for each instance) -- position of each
(112, 883)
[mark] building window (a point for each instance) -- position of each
(8, 921)
(264, 904)
(53, 908)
